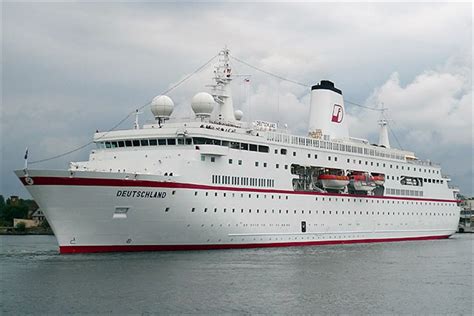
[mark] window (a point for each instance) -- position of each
(283, 151)
(230, 161)
(256, 163)
(213, 159)
(136, 143)
(171, 141)
(161, 142)
(144, 142)
(294, 154)
(203, 158)
(240, 162)
(277, 166)
(264, 164)
(153, 142)
(263, 149)
(197, 141)
(253, 147)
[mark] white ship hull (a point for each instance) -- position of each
(82, 211)
(214, 181)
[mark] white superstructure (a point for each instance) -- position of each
(218, 182)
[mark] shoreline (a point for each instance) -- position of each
(4, 232)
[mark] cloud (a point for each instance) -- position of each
(436, 107)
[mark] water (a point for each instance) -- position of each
(419, 277)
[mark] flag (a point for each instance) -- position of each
(26, 153)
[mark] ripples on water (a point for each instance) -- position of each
(421, 277)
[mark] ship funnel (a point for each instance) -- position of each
(327, 113)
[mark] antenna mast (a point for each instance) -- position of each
(221, 90)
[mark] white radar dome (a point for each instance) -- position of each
(203, 104)
(238, 115)
(162, 106)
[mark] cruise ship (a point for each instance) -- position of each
(214, 181)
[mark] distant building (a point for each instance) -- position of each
(467, 212)
(29, 223)
(14, 200)
(38, 217)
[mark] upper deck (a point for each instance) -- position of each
(248, 133)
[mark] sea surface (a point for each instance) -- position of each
(414, 277)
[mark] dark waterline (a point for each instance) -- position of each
(417, 277)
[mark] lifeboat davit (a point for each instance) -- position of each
(334, 182)
(362, 182)
(379, 179)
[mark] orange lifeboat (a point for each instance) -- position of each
(379, 179)
(362, 182)
(334, 182)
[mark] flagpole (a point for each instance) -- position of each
(26, 159)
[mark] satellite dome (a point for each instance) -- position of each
(203, 104)
(238, 115)
(162, 106)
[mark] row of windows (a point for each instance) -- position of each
(323, 199)
(404, 192)
(145, 142)
(355, 200)
(283, 151)
(324, 212)
(256, 182)
(182, 141)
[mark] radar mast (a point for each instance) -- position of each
(221, 90)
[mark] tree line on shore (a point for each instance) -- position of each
(15, 207)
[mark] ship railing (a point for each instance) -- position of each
(333, 145)
(453, 187)
(423, 163)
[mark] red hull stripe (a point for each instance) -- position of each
(128, 248)
(66, 181)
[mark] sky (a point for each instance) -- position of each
(69, 69)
